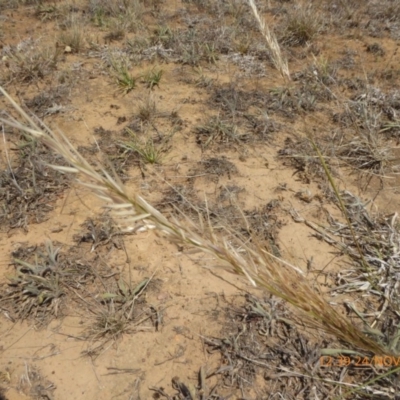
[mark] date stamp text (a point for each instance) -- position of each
(358, 361)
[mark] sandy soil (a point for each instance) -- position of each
(191, 294)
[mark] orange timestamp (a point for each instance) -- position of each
(358, 361)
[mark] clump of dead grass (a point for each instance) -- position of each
(376, 245)
(261, 337)
(372, 115)
(115, 8)
(33, 384)
(73, 38)
(100, 232)
(49, 12)
(215, 167)
(50, 101)
(43, 276)
(367, 152)
(29, 185)
(363, 243)
(298, 152)
(147, 110)
(27, 62)
(184, 389)
(302, 24)
(216, 130)
(120, 309)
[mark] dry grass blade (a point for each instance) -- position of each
(279, 61)
(255, 263)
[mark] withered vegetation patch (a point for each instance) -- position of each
(364, 142)
(376, 273)
(120, 308)
(27, 62)
(216, 167)
(100, 232)
(43, 277)
(28, 186)
(33, 384)
(115, 302)
(264, 350)
(49, 102)
(233, 100)
(113, 157)
(371, 110)
(299, 153)
(237, 105)
(184, 389)
(218, 131)
(224, 209)
(264, 223)
(51, 281)
(180, 199)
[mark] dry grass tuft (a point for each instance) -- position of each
(27, 62)
(301, 26)
(28, 185)
(73, 38)
(33, 384)
(43, 276)
(116, 311)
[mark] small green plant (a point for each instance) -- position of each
(210, 53)
(120, 72)
(149, 152)
(191, 55)
(127, 13)
(125, 80)
(152, 78)
(99, 18)
(162, 35)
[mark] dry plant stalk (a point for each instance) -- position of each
(260, 267)
(279, 61)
